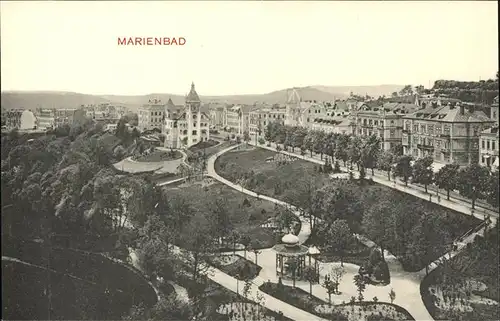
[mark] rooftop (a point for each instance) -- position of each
(193, 95)
(451, 113)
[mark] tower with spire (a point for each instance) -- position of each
(186, 125)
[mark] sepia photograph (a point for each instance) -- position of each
(250, 160)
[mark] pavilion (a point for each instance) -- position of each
(289, 253)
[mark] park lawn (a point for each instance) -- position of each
(245, 218)
(160, 156)
(251, 169)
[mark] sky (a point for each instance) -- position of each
(247, 47)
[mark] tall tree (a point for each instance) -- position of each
(403, 168)
(338, 237)
(422, 171)
(370, 152)
(492, 189)
(472, 182)
(354, 150)
(385, 162)
(378, 222)
(447, 178)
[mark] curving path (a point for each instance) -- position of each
(405, 284)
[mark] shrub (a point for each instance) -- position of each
(262, 141)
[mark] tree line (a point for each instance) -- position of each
(473, 182)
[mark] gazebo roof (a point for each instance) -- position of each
(290, 239)
(287, 250)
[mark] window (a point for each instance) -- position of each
(493, 145)
(392, 133)
(392, 122)
(482, 143)
(488, 145)
(194, 132)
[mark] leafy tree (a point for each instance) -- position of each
(447, 178)
(310, 276)
(342, 147)
(359, 281)
(406, 91)
(220, 215)
(403, 168)
(378, 222)
(354, 150)
(337, 237)
(422, 171)
(491, 190)
(472, 182)
(303, 195)
(336, 275)
(319, 143)
(385, 162)
(370, 152)
(330, 287)
(309, 140)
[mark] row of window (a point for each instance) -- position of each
(373, 122)
(486, 144)
(274, 116)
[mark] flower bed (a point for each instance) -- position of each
(465, 288)
(358, 311)
(159, 156)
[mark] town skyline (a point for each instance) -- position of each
(73, 46)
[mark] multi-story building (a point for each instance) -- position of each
(217, 116)
(488, 147)
(45, 118)
(261, 117)
(302, 113)
(238, 119)
(64, 116)
(384, 121)
(448, 133)
(12, 118)
(187, 125)
(151, 115)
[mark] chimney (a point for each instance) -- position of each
(462, 109)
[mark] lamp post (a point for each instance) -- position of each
(314, 252)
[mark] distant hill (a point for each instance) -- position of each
(373, 91)
(54, 99)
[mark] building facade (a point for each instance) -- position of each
(217, 116)
(259, 119)
(151, 115)
(449, 134)
(237, 119)
(45, 118)
(187, 125)
(385, 122)
(488, 148)
(12, 118)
